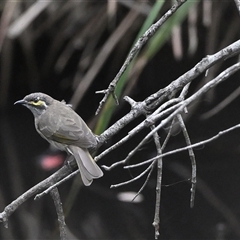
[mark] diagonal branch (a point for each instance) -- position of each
(149, 103)
(8, 210)
(220, 78)
(137, 129)
(202, 66)
(136, 48)
(134, 179)
(157, 98)
(187, 147)
(49, 189)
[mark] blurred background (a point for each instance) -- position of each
(69, 50)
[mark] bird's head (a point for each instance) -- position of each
(36, 102)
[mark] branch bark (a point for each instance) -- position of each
(139, 44)
(61, 220)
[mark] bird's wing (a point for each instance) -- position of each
(66, 130)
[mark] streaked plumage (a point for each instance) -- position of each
(60, 125)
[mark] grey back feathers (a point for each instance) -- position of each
(60, 125)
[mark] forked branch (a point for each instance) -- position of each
(136, 48)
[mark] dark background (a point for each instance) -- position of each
(30, 62)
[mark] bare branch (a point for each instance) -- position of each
(137, 106)
(61, 220)
(186, 148)
(156, 220)
(155, 99)
(158, 97)
(139, 44)
(168, 135)
(144, 184)
(40, 195)
(221, 77)
(146, 123)
(154, 117)
(9, 209)
(192, 158)
(134, 179)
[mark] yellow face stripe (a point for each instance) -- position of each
(38, 103)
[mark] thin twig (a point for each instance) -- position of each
(168, 135)
(192, 158)
(144, 184)
(40, 195)
(137, 129)
(154, 117)
(158, 97)
(184, 93)
(221, 77)
(186, 148)
(133, 179)
(156, 221)
(9, 209)
(146, 123)
(61, 220)
(139, 44)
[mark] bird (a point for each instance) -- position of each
(62, 127)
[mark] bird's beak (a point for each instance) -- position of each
(22, 102)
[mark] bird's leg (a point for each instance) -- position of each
(68, 160)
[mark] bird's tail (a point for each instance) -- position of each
(88, 168)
